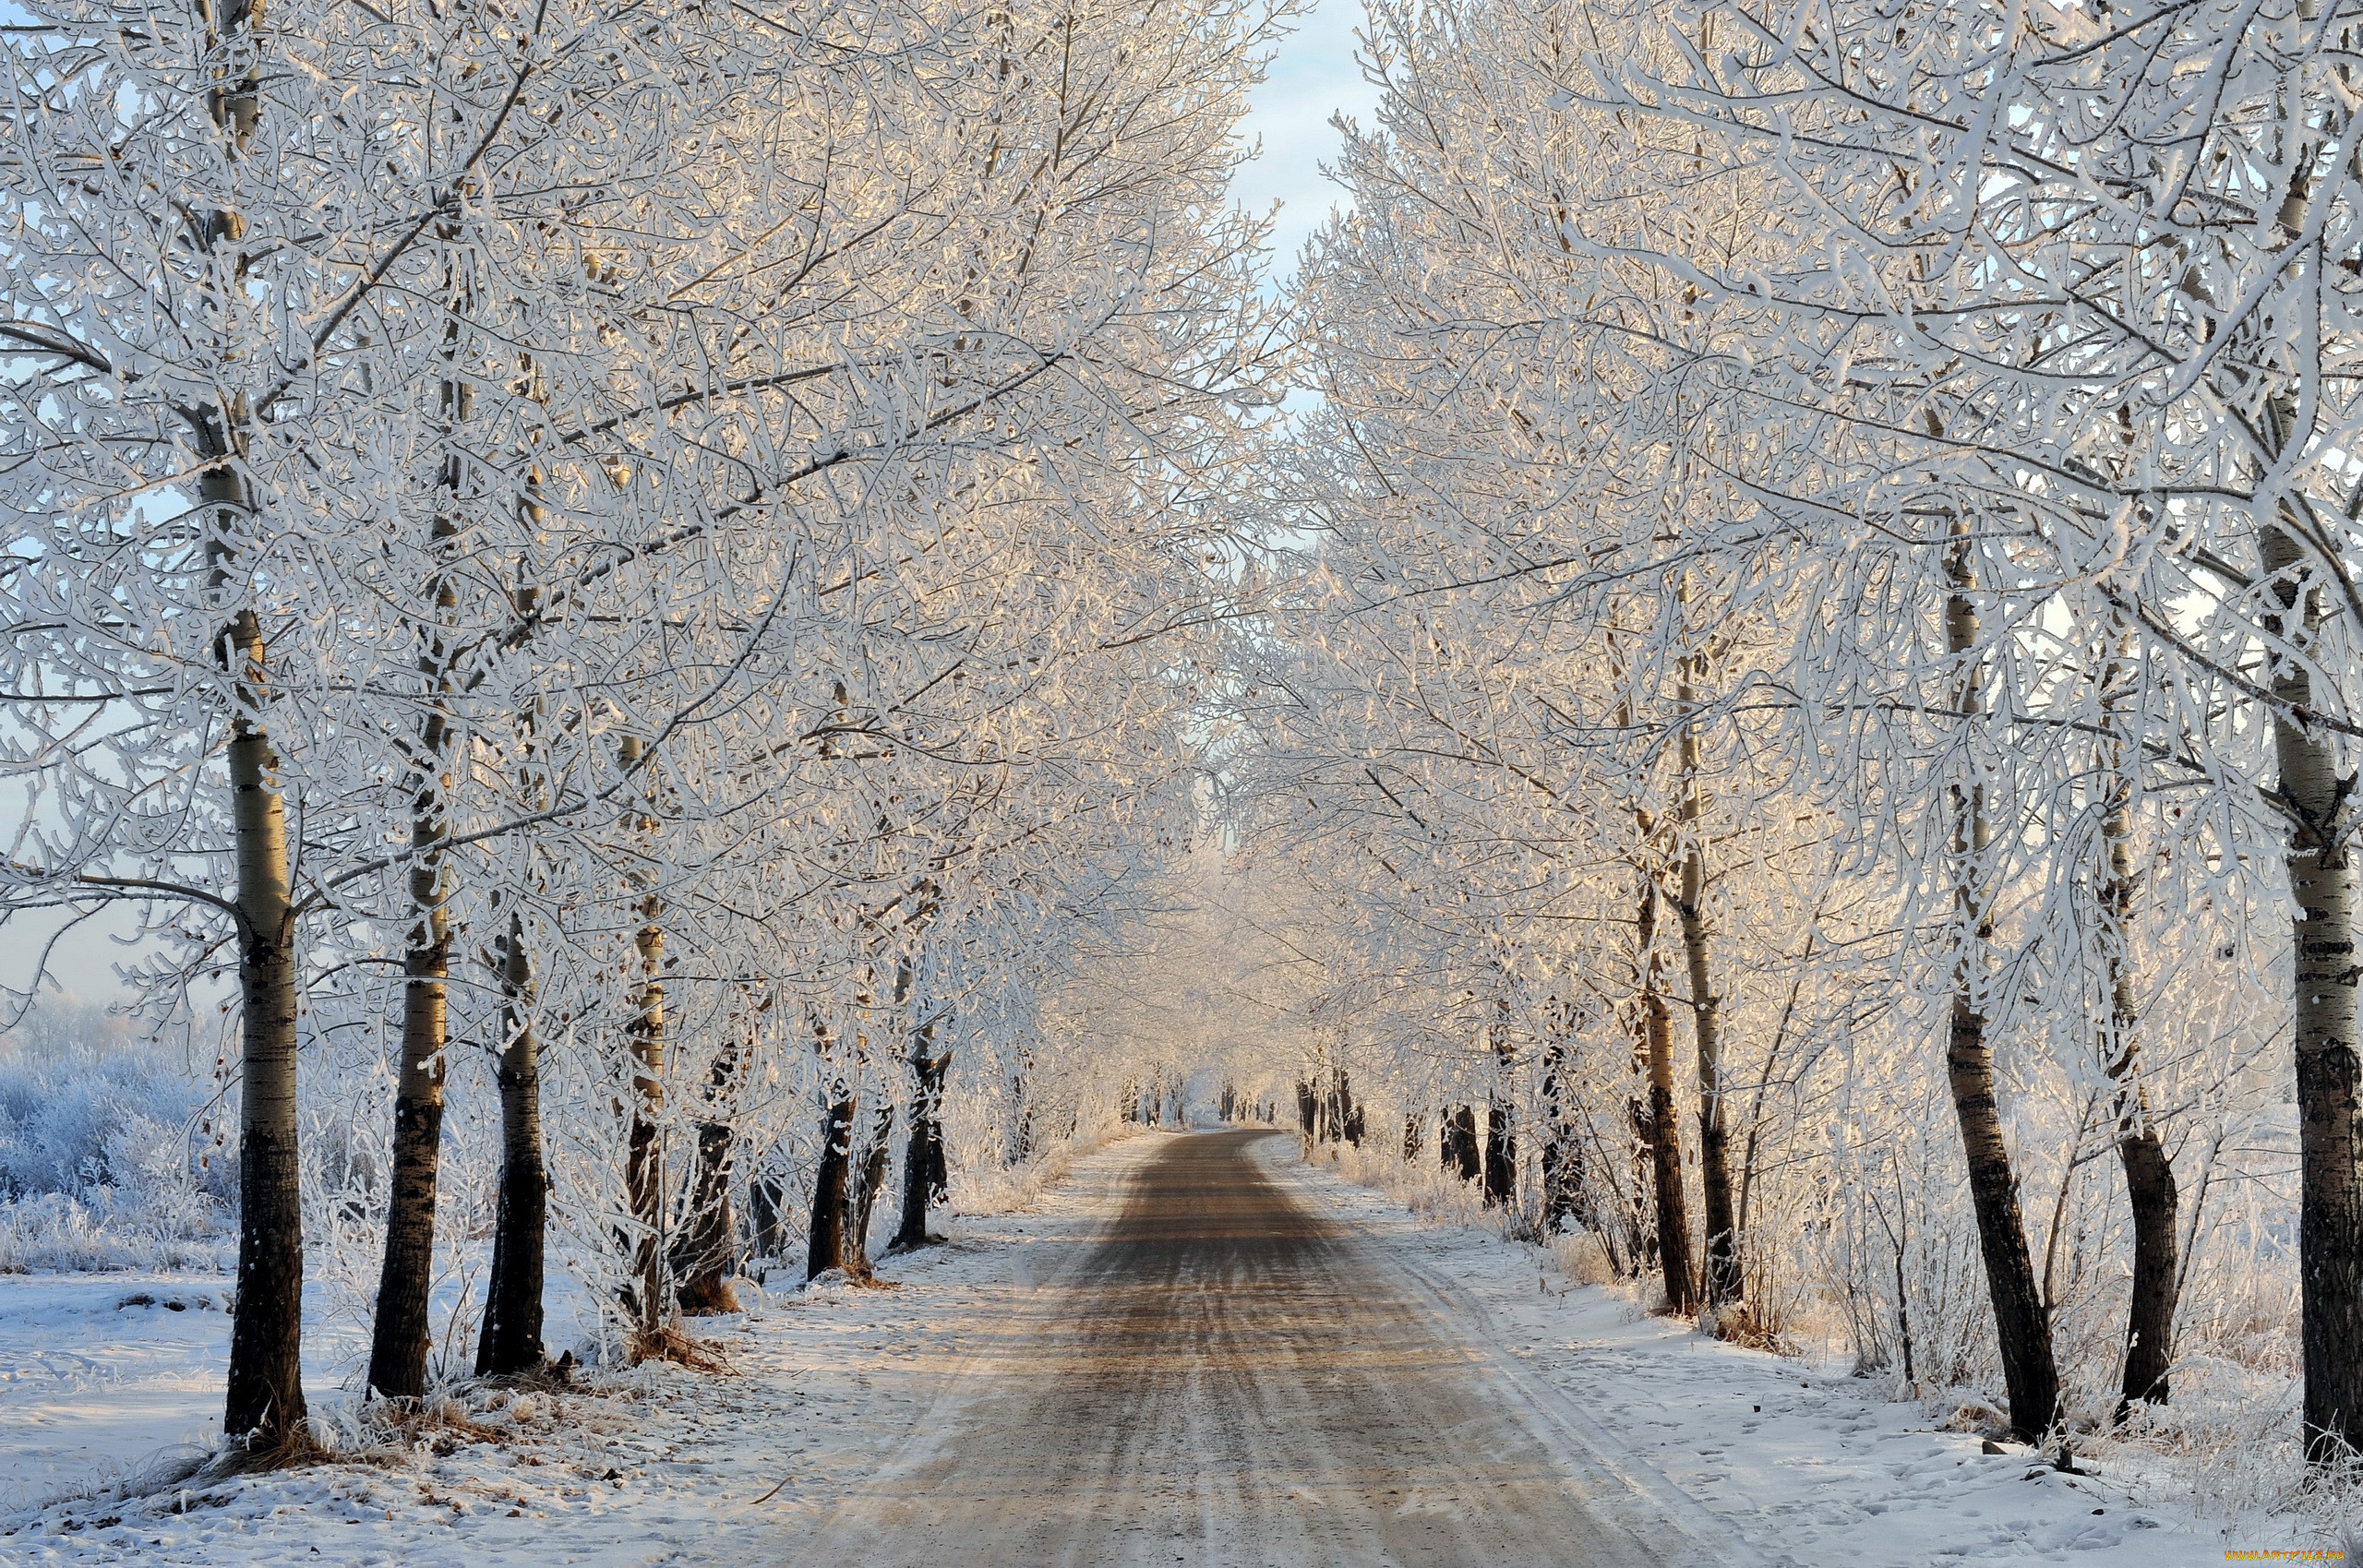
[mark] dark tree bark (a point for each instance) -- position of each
(832, 1185)
(2149, 1174)
(852, 1172)
(1663, 1126)
(767, 1216)
(924, 1175)
(1501, 1156)
(511, 1341)
(704, 1260)
(1413, 1139)
(401, 1333)
(1559, 1161)
(1665, 1158)
(867, 1185)
(1562, 1162)
(2021, 1324)
(1644, 1218)
(1723, 1273)
(2150, 1318)
(1308, 1109)
(1501, 1141)
(1462, 1154)
(644, 1292)
(399, 1344)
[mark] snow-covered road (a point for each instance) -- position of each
(1226, 1377)
(1192, 1349)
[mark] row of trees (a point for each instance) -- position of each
(634, 586)
(645, 564)
(1834, 613)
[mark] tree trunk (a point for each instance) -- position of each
(642, 1293)
(2330, 1088)
(1500, 1142)
(1637, 1115)
(832, 1185)
(867, 1186)
(399, 1342)
(400, 1334)
(2021, 1324)
(1022, 1139)
(704, 1258)
(923, 1169)
(1560, 1159)
(1722, 1276)
(1459, 1143)
(1665, 1158)
(2150, 1319)
(1501, 1156)
(1723, 1273)
(511, 1341)
(1412, 1141)
(265, 1405)
(1663, 1131)
(767, 1216)
(2149, 1175)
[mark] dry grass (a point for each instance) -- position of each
(674, 1344)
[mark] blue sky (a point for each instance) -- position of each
(1313, 76)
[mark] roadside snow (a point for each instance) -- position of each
(1812, 1470)
(651, 1466)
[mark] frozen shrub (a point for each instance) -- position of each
(106, 1160)
(60, 1232)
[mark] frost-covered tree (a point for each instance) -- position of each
(492, 490)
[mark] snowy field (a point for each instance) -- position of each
(662, 1465)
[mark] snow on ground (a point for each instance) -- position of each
(661, 1465)
(648, 1465)
(1811, 1469)
(99, 1370)
(105, 1374)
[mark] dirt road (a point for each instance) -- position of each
(1224, 1376)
